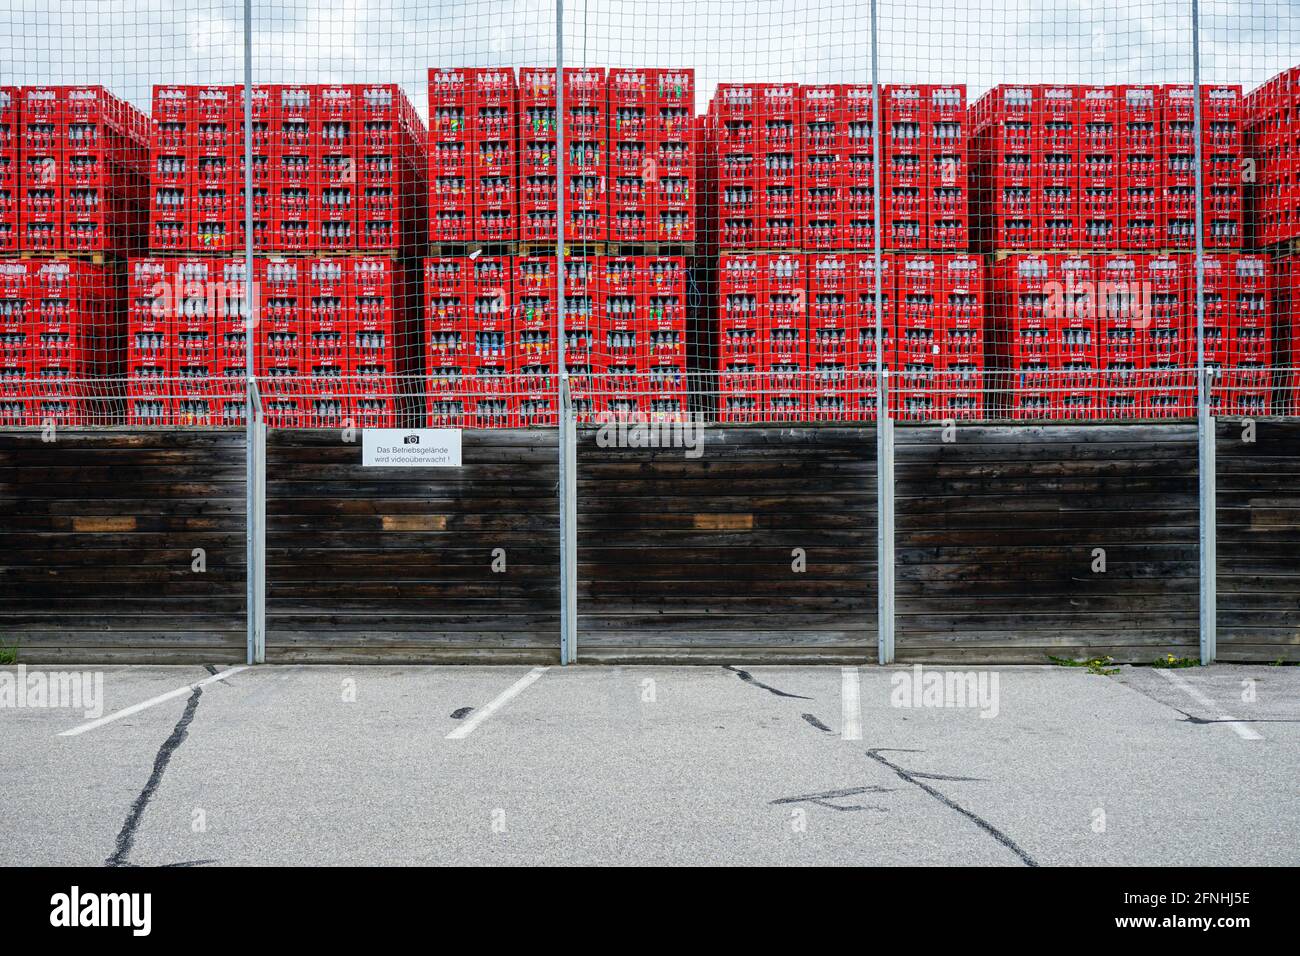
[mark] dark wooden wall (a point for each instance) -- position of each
(1259, 541)
(395, 564)
(692, 558)
(678, 558)
(97, 532)
(994, 535)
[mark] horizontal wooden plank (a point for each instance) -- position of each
(414, 522)
(723, 522)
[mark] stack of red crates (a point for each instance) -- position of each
(380, 340)
(490, 339)
(1112, 335)
(489, 359)
(663, 351)
(447, 337)
(81, 169)
(863, 295)
(618, 358)
(1126, 322)
(1106, 167)
(330, 346)
(10, 137)
(824, 144)
(905, 153)
(797, 335)
(632, 116)
(584, 144)
(754, 163)
(183, 366)
(939, 343)
(1222, 150)
(332, 341)
(194, 146)
(842, 334)
(673, 152)
(1273, 142)
(581, 332)
(265, 171)
(59, 324)
(1141, 216)
(1166, 333)
(451, 206)
(16, 330)
(336, 168)
(1239, 332)
(1098, 117)
(860, 191)
(1287, 301)
(1074, 335)
(630, 155)
(533, 339)
(652, 155)
(493, 143)
(779, 163)
(1022, 328)
(947, 194)
(732, 168)
(291, 391)
(538, 160)
(738, 350)
(1009, 137)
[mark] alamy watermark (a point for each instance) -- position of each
(74, 690)
(946, 689)
(637, 431)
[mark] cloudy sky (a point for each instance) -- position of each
(129, 45)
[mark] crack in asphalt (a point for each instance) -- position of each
(1202, 721)
(749, 678)
(915, 779)
(1191, 719)
(821, 799)
(816, 723)
(126, 837)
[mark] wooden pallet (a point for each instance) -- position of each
(239, 253)
(95, 258)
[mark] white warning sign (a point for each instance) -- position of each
(410, 448)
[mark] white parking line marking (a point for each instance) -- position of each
(850, 705)
(467, 728)
(1244, 732)
(144, 704)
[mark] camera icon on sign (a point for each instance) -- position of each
(411, 440)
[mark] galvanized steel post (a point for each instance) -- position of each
(568, 490)
(884, 425)
(1205, 430)
(254, 426)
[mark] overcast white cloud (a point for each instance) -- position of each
(129, 45)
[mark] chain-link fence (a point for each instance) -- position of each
(1058, 215)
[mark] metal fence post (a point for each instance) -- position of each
(254, 425)
(884, 424)
(1204, 414)
(568, 530)
(568, 490)
(259, 537)
(884, 526)
(1206, 464)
